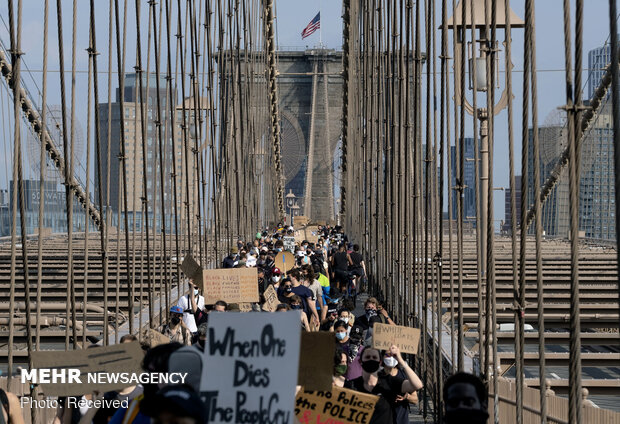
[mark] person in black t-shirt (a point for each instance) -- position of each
(388, 387)
(340, 266)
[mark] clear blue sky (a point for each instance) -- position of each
(291, 17)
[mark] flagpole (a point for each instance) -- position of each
(320, 28)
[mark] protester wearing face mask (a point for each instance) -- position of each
(465, 399)
(342, 337)
(202, 336)
(190, 304)
(295, 304)
(346, 316)
(388, 387)
(175, 328)
(340, 368)
(276, 276)
(401, 408)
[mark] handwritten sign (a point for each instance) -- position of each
(406, 338)
(300, 221)
(154, 338)
(191, 268)
(233, 285)
(289, 243)
(316, 360)
(312, 234)
(245, 307)
(337, 406)
(250, 367)
(119, 358)
(271, 299)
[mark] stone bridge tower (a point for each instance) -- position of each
(310, 95)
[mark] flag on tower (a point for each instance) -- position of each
(312, 26)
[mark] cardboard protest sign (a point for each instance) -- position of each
(285, 261)
(245, 307)
(119, 358)
(289, 243)
(191, 268)
(250, 367)
(154, 338)
(232, 285)
(341, 406)
(300, 221)
(312, 234)
(271, 299)
(406, 338)
(316, 360)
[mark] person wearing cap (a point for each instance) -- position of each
(176, 328)
(232, 259)
(276, 276)
(177, 404)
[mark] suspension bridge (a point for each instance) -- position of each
(199, 130)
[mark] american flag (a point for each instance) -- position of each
(312, 26)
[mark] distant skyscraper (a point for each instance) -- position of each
(469, 173)
(133, 150)
(596, 182)
(598, 59)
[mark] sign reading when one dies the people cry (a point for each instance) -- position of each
(338, 406)
(250, 367)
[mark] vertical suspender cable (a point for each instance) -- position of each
(531, 21)
(43, 169)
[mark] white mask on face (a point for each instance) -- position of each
(275, 278)
(195, 292)
(345, 319)
(390, 361)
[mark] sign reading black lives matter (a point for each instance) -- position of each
(250, 367)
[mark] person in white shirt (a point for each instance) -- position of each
(186, 303)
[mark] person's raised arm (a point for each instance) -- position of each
(413, 382)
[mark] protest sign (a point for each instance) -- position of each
(250, 367)
(406, 338)
(232, 285)
(285, 261)
(312, 234)
(154, 338)
(119, 358)
(289, 243)
(341, 406)
(300, 221)
(191, 268)
(245, 307)
(271, 299)
(316, 360)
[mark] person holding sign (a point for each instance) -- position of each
(388, 387)
(190, 304)
(401, 408)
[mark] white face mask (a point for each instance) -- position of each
(195, 292)
(390, 361)
(275, 278)
(345, 319)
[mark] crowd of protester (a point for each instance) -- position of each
(322, 285)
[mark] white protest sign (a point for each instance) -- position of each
(289, 243)
(250, 367)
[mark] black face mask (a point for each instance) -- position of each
(175, 320)
(466, 415)
(370, 366)
(288, 289)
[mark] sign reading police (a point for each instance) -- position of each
(250, 367)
